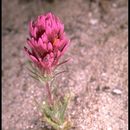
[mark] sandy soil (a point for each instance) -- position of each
(97, 71)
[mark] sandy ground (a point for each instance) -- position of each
(97, 70)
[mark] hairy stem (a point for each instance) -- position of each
(50, 100)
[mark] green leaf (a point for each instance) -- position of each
(49, 121)
(35, 77)
(64, 107)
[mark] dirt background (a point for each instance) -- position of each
(98, 30)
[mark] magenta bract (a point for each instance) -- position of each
(47, 42)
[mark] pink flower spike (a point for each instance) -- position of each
(51, 55)
(29, 43)
(27, 51)
(44, 38)
(33, 58)
(49, 47)
(44, 46)
(58, 53)
(34, 32)
(40, 42)
(47, 41)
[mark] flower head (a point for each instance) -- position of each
(47, 42)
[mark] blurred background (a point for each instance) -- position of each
(98, 70)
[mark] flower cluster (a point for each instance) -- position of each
(47, 42)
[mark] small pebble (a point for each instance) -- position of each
(31, 126)
(114, 5)
(116, 91)
(109, 128)
(32, 92)
(43, 102)
(93, 21)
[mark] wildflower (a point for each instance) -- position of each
(47, 42)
